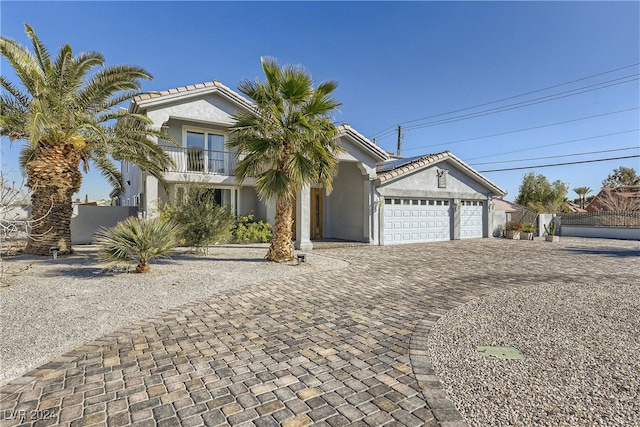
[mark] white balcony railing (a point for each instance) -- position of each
(196, 160)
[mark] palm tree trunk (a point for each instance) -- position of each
(281, 249)
(143, 266)
(53, 177)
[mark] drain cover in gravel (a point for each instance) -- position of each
(510, 353)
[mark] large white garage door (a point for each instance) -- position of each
(415, 220)
(471, 219)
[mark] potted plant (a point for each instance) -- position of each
(527, 231)
(551, 232)
(512, 230)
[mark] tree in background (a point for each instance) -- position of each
(66, 113)
(286, 143)
(538, 194)
(621, 176)
(582, 193)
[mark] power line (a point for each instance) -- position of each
(377, 134)
(522, 104)
(525, 129)
(556, 157)
(560, 164)
(556, 143)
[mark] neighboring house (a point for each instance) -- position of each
(572, 207)
(506, 206)
(377, 198)
(616, 199)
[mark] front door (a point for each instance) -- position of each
(316, 213)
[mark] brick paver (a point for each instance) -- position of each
(343, 347)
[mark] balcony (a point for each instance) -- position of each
(196, 160)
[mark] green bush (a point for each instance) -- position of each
(247, 230)
(202, 220)
(137, 240)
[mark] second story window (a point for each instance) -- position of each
(205, 152)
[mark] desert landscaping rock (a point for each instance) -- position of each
(346, 344)
(57, 305)
(581, 348)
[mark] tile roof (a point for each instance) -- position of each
(345, 129)
(391, 169)
(215, 85)
(394, 168)
(206, 87)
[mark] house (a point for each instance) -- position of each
(622, 198)
(377, 198)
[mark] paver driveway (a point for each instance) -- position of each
(344, 347)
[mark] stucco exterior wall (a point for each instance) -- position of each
(133, 184)
(87, 220)
(424, 183)
(344, 207)
(622, 233)
(205, 109)
(248, 201)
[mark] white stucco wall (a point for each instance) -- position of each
(345, 206)
(248, 201)
(424, 183)
(622, 233)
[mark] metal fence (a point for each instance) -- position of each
(524, 216)
(603, 219)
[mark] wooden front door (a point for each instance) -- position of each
(316, 213)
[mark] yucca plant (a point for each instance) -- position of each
(137, 240)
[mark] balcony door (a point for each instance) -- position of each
(205, 152)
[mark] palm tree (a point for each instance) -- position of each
(582, 192)
(65, 112)
(286, 143)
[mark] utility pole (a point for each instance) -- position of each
(399, 140)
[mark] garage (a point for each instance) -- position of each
(471, 219)
(412, 220)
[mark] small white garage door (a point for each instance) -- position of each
(471, 219)
(415, 220)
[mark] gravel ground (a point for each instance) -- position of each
(582, 348)
(58, 305)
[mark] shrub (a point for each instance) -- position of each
(137, 240)
(528, 227)
(247, 230)
(513, 226)
(203, 222)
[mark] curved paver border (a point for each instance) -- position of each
(334, 349)
(441, 405)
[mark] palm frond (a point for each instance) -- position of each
(110, 172)
(274, 183)
(23, 63)
(27, 154)
(41, 53)
(20, 97)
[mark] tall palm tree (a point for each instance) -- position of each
(582, 193)
(65, 112)
(286, 143)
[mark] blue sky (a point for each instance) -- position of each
(396, 63)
